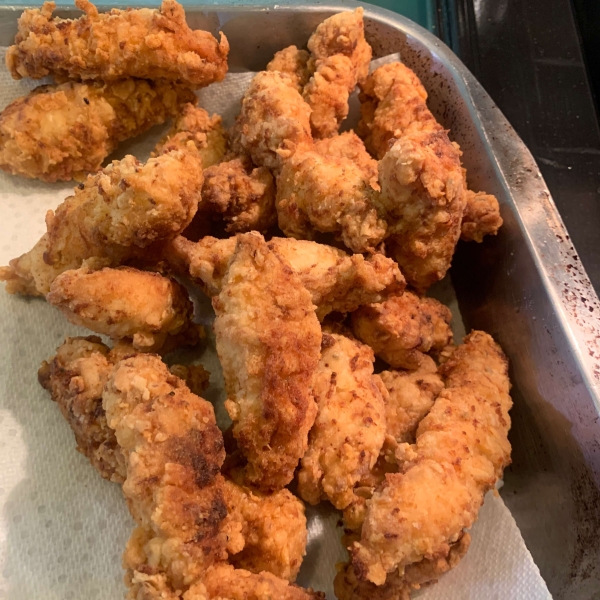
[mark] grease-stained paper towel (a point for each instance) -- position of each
(62, 527)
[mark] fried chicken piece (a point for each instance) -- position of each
(194, 124)
(403, 329)
(398, 587)
(330, 195)
(174, 453)
(422, 190)
(112, 216)
(293, 62)
(348, 145)
(124, 303)
(411, 395)
(273, 530)
(243, 196)
(196, 377)
(62, 132)
(268, 340)
(335, 280)
(274, 121)
(349, 430)
(460, 452)
(75, 378)
(481, 217)
(145, 43)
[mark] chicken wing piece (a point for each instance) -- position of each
(142, 306)
(349, 430)
(481, 217)
(272, 530)
(242, 195)
(174, 452)
(194, 124)
(421, 511)
(268, 340)
(411, 395)
(145, 43)
(348, 145)
(117, 212)
(340, 58)
(75, 378)
(398, 587)
(62, 132)
(404, 328)
(422, 190)
(335, 280)
(295, 63)
(330, 195)
(274, 121)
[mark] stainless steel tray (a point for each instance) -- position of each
(526, 287)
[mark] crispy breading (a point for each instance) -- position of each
(460, 452)
(196, 377)
(398, 587)
(174, 453)
(411, 395)
(481, 217)
(124, 303)
(145, 43)
(404, 328)
(335, 280)
(349, 145)
(274, 121)
(63, 132)
(349, 430)
(422, 190)
(268, 340)
(194, 124)
(295, 63)
(242, 195)
(272, 528)
(118, 211)
(75, 378)
(330, 195)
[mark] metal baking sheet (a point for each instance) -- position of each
(526, 286)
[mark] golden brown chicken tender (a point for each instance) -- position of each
(423, 192)
(274, 121)
(62, 132)
(420, 512)
(174, 453)
(404, 328)
(330, 195)
(349, 430)
(243, 196)
(268, 340)
(194, 124)
(145, 43)
(293, 62)
(335, 280)
(118, 211)
(481, 217)
(272, 530)
(125, 303)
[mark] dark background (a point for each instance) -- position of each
(540, 62)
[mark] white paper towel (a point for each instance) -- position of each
(62, 528)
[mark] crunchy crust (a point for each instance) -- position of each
(268, 341)
(295, 63)
(144, 43)
(481, 217)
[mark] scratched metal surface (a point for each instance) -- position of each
(525, 286)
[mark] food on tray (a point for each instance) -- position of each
(146, 308)
(145, 43)
(406, 453)
(63, 132)
(112, 217)
(268, 341)
(404, 328)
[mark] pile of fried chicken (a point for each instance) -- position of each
(316, 247)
